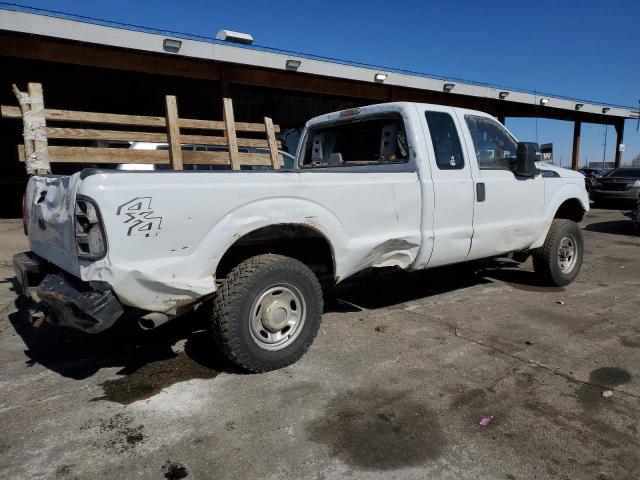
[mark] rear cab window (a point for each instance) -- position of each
(377, 140)
(445, 139)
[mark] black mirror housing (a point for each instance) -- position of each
(526, 159)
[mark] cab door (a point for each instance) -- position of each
(508, 209)
(452, 186)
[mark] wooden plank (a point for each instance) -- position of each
(114, 135)
(40, 143)
(231, 134)
(8, 111)
(63, 133)
(90, 117)
(90, 155)
(173, 133)
(217, 125)
(273, 146)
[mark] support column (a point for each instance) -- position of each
(619, 137)
(501, 119)
(575, 155)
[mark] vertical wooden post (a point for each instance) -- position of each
(36, 150)
(619, 138)
(40, 144)
(173, 132)
(575, 154)
(232, 140)
(273, 145)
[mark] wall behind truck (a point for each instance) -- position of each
(72, 87)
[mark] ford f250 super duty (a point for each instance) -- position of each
(402, 185)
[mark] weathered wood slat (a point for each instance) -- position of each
(137, 120)
(273, 145)
(37, 113)
(62, 133)
(231, 134)
(173, 133)
(59, 154)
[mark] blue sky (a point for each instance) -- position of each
(579, 48)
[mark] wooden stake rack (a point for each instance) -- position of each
(170, 129)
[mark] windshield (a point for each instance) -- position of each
(624, 173)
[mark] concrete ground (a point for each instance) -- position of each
(395, 385)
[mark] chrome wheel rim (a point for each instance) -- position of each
(567, 253)
(277, 317)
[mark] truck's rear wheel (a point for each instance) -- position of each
(267, 312)
(560, 258)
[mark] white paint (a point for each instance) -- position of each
(411, 219)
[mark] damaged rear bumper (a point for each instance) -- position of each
(88, 306)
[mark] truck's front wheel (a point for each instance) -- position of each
(267, 312)
(560, 258)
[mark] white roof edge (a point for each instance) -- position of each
(35, 24)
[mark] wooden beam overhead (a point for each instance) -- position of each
(75, 53)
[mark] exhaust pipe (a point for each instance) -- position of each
(153, 320)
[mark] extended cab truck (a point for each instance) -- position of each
(402, 185)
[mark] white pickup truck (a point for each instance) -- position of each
(402, 185)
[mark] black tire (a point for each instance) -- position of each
(546, 260)
(233, 310)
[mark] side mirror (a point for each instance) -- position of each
(526, 159)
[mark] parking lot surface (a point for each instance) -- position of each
(405, 369)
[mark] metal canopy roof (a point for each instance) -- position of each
(94, 31)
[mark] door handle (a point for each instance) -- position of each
(481, 193)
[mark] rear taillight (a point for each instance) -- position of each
(91, 241)
(25, 213)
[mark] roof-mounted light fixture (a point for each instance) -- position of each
(503, 95)
(579, 106)
(544, 101)
(380, 77)
(605, 109)
(293, 64)
(235, 37)
(171, 45)
(447, 87)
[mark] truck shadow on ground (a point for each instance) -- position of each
(613, 227)
(138, 353)
(184, 349)
(383, 288)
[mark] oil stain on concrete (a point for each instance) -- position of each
(152, 378)
(375, 429)
(630, 341)
(590, 395)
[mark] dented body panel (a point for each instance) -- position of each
(166, 232)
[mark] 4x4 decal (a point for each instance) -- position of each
(140, 217)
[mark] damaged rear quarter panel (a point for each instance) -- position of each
(50, 206)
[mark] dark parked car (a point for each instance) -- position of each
(618, 188)
(593, 172)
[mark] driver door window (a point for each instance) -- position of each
(495, 148)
